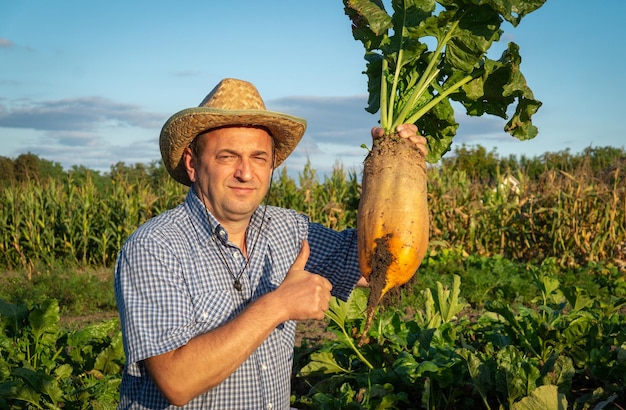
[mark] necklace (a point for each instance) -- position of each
(236, 279)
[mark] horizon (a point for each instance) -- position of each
(82, 84)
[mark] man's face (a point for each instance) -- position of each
(231, 171)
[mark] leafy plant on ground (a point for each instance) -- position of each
(42, 366)
(568, 350)
(79, 291)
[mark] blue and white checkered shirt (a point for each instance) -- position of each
(171, 285)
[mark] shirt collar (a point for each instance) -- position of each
(208, 225)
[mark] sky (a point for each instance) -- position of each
(90, 83)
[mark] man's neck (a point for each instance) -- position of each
(237, 234)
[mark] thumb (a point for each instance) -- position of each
(303, 256)
(377, 132)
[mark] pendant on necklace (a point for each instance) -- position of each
(237, 285)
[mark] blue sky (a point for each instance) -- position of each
(91, 83)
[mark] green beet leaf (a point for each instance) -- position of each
(543, 397)
(322, 363)
(429, 53)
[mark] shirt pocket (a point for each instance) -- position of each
(288, 334)
(212, 309)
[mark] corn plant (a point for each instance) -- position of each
(563, 207)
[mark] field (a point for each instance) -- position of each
(519, 304)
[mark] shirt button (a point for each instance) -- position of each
(270, 406)
(263, 367)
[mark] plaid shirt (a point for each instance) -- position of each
(171, 285)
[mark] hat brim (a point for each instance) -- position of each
(182, 127)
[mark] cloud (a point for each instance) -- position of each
(79, 114)
(64, 139)
(93, 150)
(484, 128)
(336, 129)
(338, 126)
(89, 131)
(5, 43)
(96, 132)
(336, 120)
(331, 121)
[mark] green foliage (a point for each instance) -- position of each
(75, 221)
(27, 167)
(541, 263)
(576, 214)
(42, 366)
(332, 203)
(569, 207)
(509, 357)
(412, 81)
(79, 291)
(436, 344)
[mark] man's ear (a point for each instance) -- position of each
(190, 164)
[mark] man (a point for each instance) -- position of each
(209, 292)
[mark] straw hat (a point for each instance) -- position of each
(231, 102)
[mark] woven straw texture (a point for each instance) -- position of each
(231, 102)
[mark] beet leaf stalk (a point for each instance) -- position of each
(428, 53)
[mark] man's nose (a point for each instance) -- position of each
(244, 169)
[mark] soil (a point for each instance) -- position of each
(312, 333)
(308, 332)
(79, 322)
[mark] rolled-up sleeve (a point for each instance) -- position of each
(334, 256)
(152, 299)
